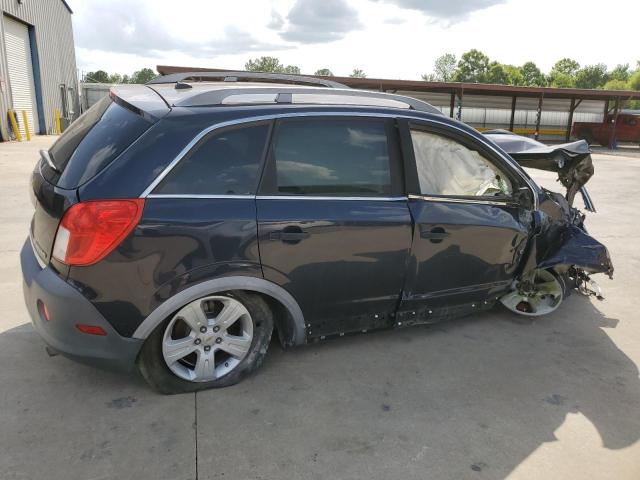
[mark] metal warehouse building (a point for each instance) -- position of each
(37, 65)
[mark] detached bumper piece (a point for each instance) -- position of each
(68, 322)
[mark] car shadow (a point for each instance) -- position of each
(475, 394)
(469, 398)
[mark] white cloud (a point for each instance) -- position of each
(449, 11)
(133, 28)
(385, 38)
(313, 21)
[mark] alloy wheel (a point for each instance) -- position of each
(207, 338)
(540, 295)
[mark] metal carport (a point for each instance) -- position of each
(506, 96)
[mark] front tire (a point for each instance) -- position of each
(542, 295)
(212, 342)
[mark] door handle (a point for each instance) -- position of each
(289, 235)
(435, 235)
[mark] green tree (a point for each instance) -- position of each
(592, 76)
(634, 81)
(563, 73)
(444, 69)
(357, 73)
(616, 85)
(562, 80)
(264, 64)
(472, 67)
(567, 66)
(634, 84)
(99, 76)
(513, 74)
(497, 74)
(621, 72)
(291, 70)
(324, 72)
(532, 76)
(142, 76)
(115, 78)
(270, 65)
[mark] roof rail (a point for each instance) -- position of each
(295, 95)
(246, 76)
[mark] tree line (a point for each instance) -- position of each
(472, 67)
(476, 67)
(273, 65)
(262, 64)
(100, 76)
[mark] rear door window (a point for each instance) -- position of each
(92, 142)
(328, 156)
(224, 163)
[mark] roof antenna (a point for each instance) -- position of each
(182, 86)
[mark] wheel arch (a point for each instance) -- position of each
(288, 317)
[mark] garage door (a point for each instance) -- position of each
(23, 92)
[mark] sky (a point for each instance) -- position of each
(398, 39)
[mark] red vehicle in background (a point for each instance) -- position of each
(610, 133)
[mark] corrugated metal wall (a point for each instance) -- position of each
(489, 112)
(51, 22)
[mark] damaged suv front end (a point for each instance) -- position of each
(561, 254)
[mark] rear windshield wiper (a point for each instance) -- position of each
(47, 158)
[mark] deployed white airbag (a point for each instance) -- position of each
(445, 167)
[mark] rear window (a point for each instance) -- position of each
(92, 142)
(224, 163)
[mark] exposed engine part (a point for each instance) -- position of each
(586, 286)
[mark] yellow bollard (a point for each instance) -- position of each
(14, 125)
(26, 125)
(58, 129)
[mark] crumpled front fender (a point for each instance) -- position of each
(560, 241)
(579, 249)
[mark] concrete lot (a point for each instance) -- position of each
(486, 397)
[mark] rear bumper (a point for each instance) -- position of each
(68, 307)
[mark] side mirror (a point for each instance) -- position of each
(524, 197)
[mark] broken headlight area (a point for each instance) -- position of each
(560, 242)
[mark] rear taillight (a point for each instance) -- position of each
(89, 231)
(91, 329)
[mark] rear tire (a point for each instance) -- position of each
(198, 359)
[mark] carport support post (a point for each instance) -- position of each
(536, 135)
(459, 114)
(452, 104)
(572, 108)
(612, 136)
(513, 112)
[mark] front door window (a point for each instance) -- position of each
(446, 167)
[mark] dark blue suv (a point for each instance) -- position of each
(178, 224)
